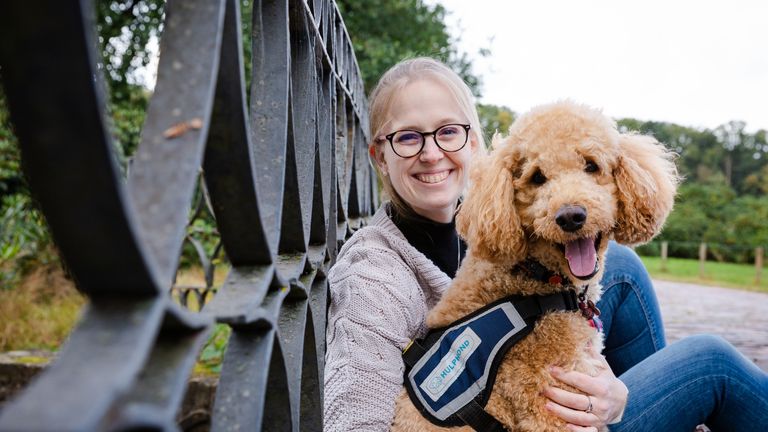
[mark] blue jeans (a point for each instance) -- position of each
(701, 379)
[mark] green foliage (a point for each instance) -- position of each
(22, 228)
(127, 118)
(211, 357)
(11, 179)
(24, 239)
(125, 28)
(495, 118)
(384, 32)
(732, 226)
(726, 154)
(203, 230)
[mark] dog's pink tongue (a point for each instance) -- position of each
(581, 256)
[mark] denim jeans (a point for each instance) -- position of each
(698, 380)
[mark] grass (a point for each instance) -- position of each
(40, 312)
(741, 276)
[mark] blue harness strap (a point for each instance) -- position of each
(450, 372)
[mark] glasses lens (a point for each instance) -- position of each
(407, 143)
(451, 137)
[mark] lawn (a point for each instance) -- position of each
(41, 311)
(730, 275)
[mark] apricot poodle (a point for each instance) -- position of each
(553, 192)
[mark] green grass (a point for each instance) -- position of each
(40, 312)
(741, 276)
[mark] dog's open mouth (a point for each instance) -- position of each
(581, 255)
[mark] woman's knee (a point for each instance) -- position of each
(623, 265)
(711, 350)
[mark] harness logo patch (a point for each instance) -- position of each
(451, 365)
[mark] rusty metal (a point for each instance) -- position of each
(288, 177)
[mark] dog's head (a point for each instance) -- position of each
(560, 185)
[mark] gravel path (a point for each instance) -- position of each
(741, 317)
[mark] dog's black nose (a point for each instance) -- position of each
(571, 218)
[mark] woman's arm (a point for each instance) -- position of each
(375, 309)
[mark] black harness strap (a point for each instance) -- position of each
(478, 418)
(473, 413)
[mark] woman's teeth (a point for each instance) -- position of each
(432, 178)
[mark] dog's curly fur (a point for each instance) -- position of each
(626, 182)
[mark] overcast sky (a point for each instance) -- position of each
(695, 63)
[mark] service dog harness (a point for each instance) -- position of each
(449, 373)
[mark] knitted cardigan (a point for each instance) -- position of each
(381, 289)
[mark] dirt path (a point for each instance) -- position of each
(741, 317)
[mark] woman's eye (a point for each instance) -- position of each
(448, 131)
(538, 178)
(408, 138)
(591, 167)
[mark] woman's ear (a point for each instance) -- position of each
(646, 179)
(473, 141)
(376, 153)
(487, 218)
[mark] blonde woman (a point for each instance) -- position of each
(426, 132)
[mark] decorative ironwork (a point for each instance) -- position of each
(288, 180)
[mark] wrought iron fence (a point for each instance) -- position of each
(288, 179)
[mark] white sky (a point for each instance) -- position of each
(694, 63)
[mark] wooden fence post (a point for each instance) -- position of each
(702, 258)
(758, 265)
(664, 248)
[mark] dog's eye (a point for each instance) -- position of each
(591, 167)
(538, 178)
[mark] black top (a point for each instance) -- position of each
(437, 241)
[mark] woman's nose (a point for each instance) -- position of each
(431, 152)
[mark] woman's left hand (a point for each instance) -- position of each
(605, 394)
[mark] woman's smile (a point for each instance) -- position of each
(433, 177)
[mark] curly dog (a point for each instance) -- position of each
(553, 192)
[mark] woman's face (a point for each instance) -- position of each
(432, 181)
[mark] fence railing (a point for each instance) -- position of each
(288, 179)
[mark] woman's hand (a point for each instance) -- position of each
(602, 403)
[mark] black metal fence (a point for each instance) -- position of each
(288, 179)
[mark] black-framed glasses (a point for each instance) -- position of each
(449, 138)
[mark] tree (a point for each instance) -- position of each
(125, 28)
(383, 32)
(495, 118)
(11, 181)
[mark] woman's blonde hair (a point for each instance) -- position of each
(383, 95)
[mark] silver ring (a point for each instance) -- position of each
(589, 408)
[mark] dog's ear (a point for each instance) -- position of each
(646, 179)
(487, 218)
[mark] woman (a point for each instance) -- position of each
(390, 273)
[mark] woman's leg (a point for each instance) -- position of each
(700, 379)
(630, 311)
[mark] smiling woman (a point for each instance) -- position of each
(428, 170)
(425, 175)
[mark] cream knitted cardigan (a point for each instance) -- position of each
(381, 289)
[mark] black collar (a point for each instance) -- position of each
(536, 270)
